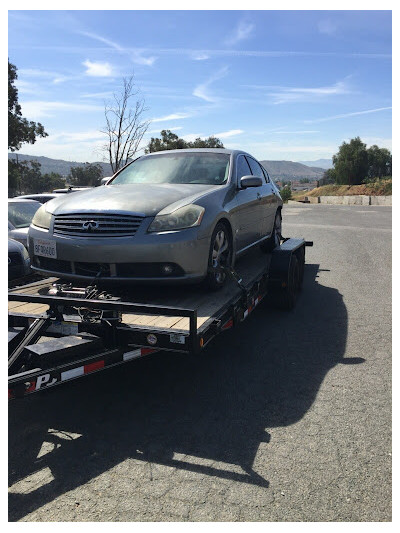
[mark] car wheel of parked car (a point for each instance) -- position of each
(220, 256)
(276, 236)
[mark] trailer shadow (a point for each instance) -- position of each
(206, 415)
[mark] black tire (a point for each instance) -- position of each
(286, 297)
(218, 259)
(301, 260)
(276, 236)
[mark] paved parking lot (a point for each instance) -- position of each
(285, 418)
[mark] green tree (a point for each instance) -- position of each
(171, 141)
(379, 162)
(168, 141)
(286, 193)
(20, 129)
(304, 180)
(351, 162)
(52, 181)
(13, 177)
(88, 175)
(210, 142)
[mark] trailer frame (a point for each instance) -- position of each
(97, 339)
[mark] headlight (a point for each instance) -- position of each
(42, 218)
(184, 217)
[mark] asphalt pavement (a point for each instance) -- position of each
(285, 418)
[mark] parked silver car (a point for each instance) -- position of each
(20, 214)
(173, 216)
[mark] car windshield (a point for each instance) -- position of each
(203, 168)
(20, 214)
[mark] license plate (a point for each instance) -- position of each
(45, 248)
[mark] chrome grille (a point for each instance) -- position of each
(97, 224)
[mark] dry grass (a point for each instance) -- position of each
(382, 187)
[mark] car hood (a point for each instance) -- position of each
(20, 235)
(140, 198)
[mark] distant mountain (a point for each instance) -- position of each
(323, 163)
(287, 170)
(57, 165)
(290, 170)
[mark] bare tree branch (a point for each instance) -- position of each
(124, 126)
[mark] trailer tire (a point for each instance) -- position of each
(285, 298)
(301, 255)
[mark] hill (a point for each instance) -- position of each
(380, 187)
(288, 170)
(322, 163)
(57, 165)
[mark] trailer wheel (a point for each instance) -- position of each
(301, 255)
(285, 298)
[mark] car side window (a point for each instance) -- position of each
(266, 175)
(256, 169)
(242, 168)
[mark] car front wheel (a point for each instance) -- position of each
(220, 257)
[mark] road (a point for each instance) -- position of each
(285, 418)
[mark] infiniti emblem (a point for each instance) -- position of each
(90, 224)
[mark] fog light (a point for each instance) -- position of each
(167, 269)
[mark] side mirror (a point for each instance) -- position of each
(250, 181)
(104, 181)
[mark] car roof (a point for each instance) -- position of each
(33, 196)
(22, 200)
(194, 150)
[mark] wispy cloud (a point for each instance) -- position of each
(98, 69)
(346, 115)
(283, 95)
(242, 31)
(226, 134)
(36, 109)
(209, 52)
(296, 132)
(82, 136)
(202, 90)
(200, 56)
(171, 128)
(327, 27)
(136, 55)
(105, 94)
(173, 116)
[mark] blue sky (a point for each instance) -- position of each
(287, 85)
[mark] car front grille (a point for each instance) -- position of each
(97, 224)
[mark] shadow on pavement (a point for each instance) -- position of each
(192, 414)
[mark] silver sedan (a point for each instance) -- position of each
(174, 216)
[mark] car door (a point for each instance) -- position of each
(267, 198)
(247, 214)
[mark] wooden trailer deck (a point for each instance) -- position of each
(207, 303)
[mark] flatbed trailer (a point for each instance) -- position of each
(59, 331)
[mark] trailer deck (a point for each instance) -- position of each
(205, 303)
(59, 331)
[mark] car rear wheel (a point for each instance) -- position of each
(220, 257)
(275, 239)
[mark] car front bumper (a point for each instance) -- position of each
(141, 257)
